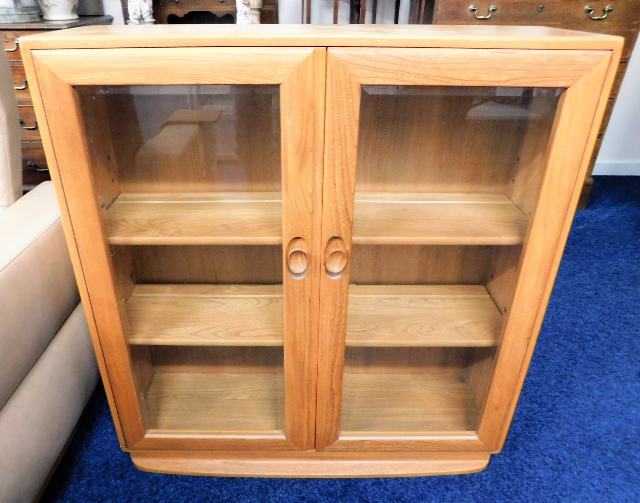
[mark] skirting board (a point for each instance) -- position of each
(617, 168)
(311, 464)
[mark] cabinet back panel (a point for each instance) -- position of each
(421, 264)
(187, 138)
(448, 139)
(207, 264)
(405, 360)
(182, 359)
(411, 391)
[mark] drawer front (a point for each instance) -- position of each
(11, 44)
(622, 17)
(34, 164)
(489, 12)
(607, 114)
(20, 84)
(598, 145)
(28, 123)
(622, 68)
(202, 5)
(602, 16)
(619, 15)
(182, 7)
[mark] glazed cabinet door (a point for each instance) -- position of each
(193, 179)
(449, 175)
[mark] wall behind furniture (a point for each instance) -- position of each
(620, 153)
(113, 8)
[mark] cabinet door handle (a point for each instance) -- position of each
(297, 257)
(16, 44)
(22, 87)
(336, 257)
(605, 12)
(474, 11)
(28, 128)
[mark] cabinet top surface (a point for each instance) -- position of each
(207, 35)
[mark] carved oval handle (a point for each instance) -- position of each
(16, 43)
(474, 11)
(605, 12)
(297, 257)
(22, 87)
(335, 257)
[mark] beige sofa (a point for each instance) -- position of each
(47, 367)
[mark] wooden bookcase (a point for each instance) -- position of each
(317, 251)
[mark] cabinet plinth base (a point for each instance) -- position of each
(311, 464)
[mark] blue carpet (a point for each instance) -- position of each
(576, 433)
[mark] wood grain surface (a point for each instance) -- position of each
(416, 315)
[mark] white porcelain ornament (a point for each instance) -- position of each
(58, 10)
(140, 12)
(248, 11)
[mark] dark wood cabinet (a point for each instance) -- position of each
(208, 11)
(612, 17)
(34, 164)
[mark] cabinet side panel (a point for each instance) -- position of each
(74, 177)
(567, 159)
(71, 239)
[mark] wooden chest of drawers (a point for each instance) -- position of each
(34, 164)
(614, 17)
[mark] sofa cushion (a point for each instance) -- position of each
(37, 286)
(37, 421)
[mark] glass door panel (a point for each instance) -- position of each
(191, 183)
(446, 181)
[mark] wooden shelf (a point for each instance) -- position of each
(422, 403)
(247, 218)
(206, 315)
(256, 218)
(220, 403)
(421, 315)
(437, 219)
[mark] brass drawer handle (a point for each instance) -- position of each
(335, 257)
(474, 11)
(16, 43)
(28, 128)
(297, 257)
(22, 87)
(32, 165)
(605, 12)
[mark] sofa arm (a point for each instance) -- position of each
(37, 286)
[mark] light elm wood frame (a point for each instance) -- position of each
(464, 56)
(300, 74)
(580, 72)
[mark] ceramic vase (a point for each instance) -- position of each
(58, 10)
